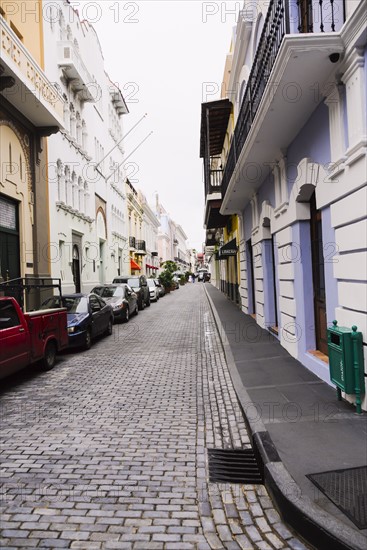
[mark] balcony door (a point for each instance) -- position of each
(76, 268)
(318, 278)
(305, 19)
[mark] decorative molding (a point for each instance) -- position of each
(25, 148)
(74, 213)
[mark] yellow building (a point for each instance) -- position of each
(222, 232)
(137, 246)
(31, 109)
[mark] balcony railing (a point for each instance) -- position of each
(215, 182)
(310, 17)
(140, 246)
(132, 242)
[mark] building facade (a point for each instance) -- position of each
(172, 240)
(137, 246)
(31, 109)
(150, 227)
(181, 254)
(295, 172)
(88, 208)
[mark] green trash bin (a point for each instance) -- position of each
(346, 361)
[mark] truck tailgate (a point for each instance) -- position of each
(45, 325)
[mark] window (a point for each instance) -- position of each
(8, 315)
(94, 303)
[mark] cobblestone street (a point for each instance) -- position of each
(109, 450)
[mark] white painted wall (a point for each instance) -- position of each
(92, 129)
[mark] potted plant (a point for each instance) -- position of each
(166, 279)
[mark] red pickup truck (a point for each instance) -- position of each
(26, 338)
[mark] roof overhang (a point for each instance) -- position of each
(214, 122)
(295, 88)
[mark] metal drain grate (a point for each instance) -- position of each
(233, 466)
(347, 489)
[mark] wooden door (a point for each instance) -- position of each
(318, 277)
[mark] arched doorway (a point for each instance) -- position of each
(76, 268)
(16, 208)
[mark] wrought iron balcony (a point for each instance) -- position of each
(132, 242)
(140, 247)
(283, 17)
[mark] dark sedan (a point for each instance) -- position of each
(88, 316)
(122, 298)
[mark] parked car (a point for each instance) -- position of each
(160, 287)
(153, 290)
(139, 285)
(176, 281)
(122, 298)
(88, 316)
(203, 275)
(26, 338)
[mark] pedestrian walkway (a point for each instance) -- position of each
(310, 431)
(109, 450)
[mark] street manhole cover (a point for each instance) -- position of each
(233, 466)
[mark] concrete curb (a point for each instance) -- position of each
(314, 524)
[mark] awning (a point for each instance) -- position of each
(134, 265)
(227, 250)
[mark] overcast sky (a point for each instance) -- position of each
(167, 57)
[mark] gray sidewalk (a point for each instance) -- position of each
(297, 425)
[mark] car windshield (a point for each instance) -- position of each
(111, 291)
(73, 304)
(77, 304)
(151, 283)
(133, 282)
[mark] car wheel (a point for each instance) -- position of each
(127, 316)
(49, 358)
(109, 328)
(88, 339)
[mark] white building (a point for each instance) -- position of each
(87, 200)
(150, 227)
(181, 254)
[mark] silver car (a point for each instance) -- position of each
(153, 290)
